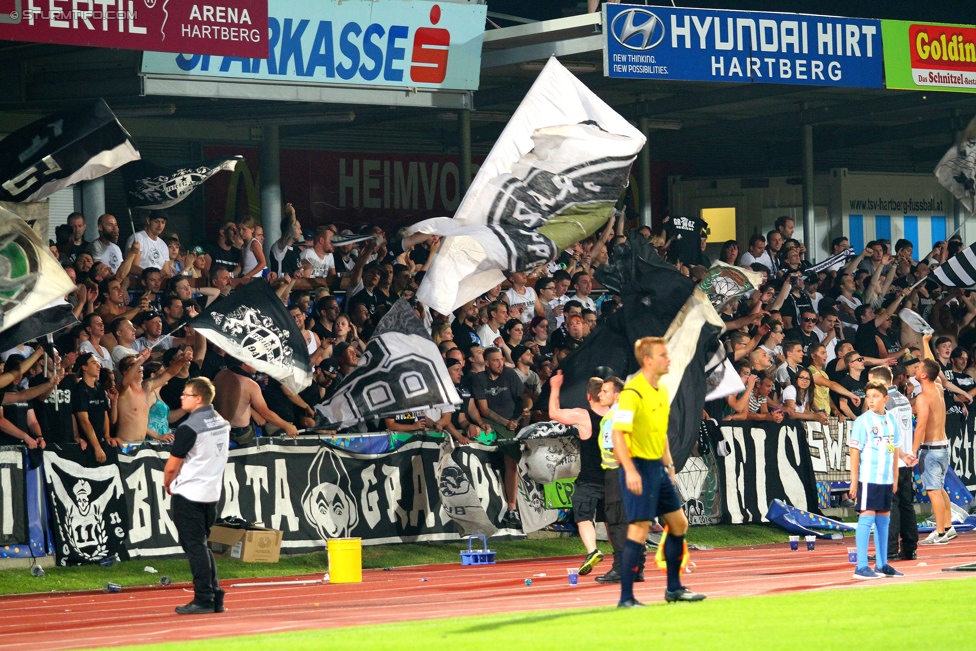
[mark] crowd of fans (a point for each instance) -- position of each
(802, 342)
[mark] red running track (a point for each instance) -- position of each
(145, 615)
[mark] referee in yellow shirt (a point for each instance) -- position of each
(640, 443)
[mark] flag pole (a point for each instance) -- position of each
(50, 340)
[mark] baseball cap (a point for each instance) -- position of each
(451, 362)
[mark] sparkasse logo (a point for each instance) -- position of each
(637, 29)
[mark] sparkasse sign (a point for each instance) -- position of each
(218, 27)
(355, 42)
(651, 42)
(926, 56)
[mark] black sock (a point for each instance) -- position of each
(628, 569)
(674, 547)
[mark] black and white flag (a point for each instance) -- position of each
(835, 261)
(67, 147)
(959, 270)
(89, 510)
(658, 301)
(551, 180)
(458, 484)
(400, 371)
(30, 277)
(957, 169)
(44, 322)
(253, 325)
(725, 283)
(154, 187)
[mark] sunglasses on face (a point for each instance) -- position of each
(809, 320)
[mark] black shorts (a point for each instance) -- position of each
(587, 501)
(874, 497)
(658, 494)
(613, 499)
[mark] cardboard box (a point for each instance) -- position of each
(256, 545)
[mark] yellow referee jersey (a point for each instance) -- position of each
(642, 414)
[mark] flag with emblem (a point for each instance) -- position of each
(64, 148)
(401, 371)
(254, 326)
(153, 187)
(552, 179)
(957, 169)
(30, 277)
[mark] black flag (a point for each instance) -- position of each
(67, 147)
(253, 325)
(401, 371)
(154, 187)
(88, 508)
(37, 325)
(658, 301)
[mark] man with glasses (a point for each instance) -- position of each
(194, 477)
(804, 332)
(854, 383)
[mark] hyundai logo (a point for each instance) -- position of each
(637, 29)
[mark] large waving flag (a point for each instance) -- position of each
(401, 371)
(253, 325)
(959, 270)
(67, 147)
(30, 277)
(657, 301)
(957, 169)
(154, 187)
(552, 179)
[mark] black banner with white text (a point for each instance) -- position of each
(313, 493)
(13, 496)
(767, 461)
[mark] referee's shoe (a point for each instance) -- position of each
(682, 594)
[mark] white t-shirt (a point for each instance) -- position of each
(22, 349)
(789, 393)
(153, 253)
(747, 259)
(487, 335)
(527, 299)
(588, 303)
(320, 266)
(853, 302)
(104, 358)
(120, 352)
(108, 254)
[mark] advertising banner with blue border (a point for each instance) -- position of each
(645, 42)
(354, 42)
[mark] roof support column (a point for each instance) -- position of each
(644, 182)
(92, 205)
(464, 148)
(809, 233)
(270, 172)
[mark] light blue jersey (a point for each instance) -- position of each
(876, 437)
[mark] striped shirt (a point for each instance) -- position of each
(876, 437)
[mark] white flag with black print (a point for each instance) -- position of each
(154, 187)
(401, 371)
(957, 169)
(67, 147)
(552, 179)
(253, 326)
(959, 270)
(30, 277)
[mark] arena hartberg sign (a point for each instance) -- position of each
(357, 42)
(645, 42)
